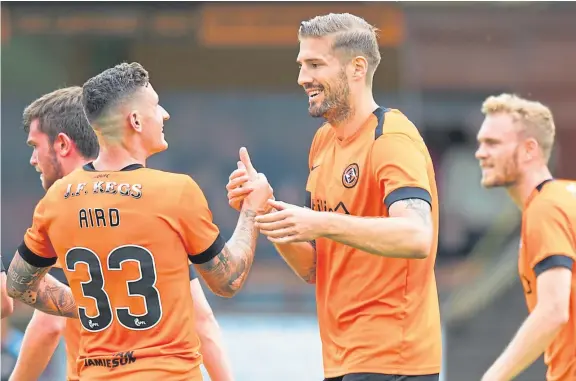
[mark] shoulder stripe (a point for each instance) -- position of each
(34, 259)
(210, 252)
(552, 262)
(406, 193)
(380, 114)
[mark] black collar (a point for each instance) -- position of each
(132, 167)
(541, 185)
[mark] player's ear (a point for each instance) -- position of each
(531, 149)
(63, 144)
(135, 121)
(359, 68)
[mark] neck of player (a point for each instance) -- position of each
(114, 157)
(361, 106)
(76, 162)
(527, 184)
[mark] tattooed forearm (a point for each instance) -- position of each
(246, 234)
(301, 257)
(420, 207)
(23, 279)
(32, 286)
(55, 298)
(310, 277)
(226, 273)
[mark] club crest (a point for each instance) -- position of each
(351, 175)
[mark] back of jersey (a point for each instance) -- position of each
(124, 239)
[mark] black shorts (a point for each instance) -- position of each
(383, 377)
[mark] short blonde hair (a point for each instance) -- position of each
(534, 118)
(352, 35)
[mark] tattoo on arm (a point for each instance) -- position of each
(226, 273)
(420, 207)
(23, 279)
(32, 286)
(53, 296)
(311, 276)
(297, 257)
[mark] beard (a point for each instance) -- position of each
(53, 172)
(508, 176)
(336, 106)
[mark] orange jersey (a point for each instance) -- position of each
(125, 238)
(73, 328)
(548, 240)
(376, 314)
(71, 332)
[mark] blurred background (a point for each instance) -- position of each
(226, 73)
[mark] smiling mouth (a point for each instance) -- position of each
(314, 94)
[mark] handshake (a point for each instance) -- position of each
(280, 222)
(249, 189)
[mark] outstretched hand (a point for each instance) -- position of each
(247, 185)
(290, 223)
(238, 187)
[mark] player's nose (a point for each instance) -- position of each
(165, 114)
(303, 77)
(34, 159)
(480, 153)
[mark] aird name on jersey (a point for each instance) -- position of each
(103, 187)
(98, 217)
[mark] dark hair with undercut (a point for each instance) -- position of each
(113, 85)
(61, 111)
(353, 36)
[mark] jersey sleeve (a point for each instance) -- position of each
(36, 248)
(201, 236)
(400, 167)
(549, 237)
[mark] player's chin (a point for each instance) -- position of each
(162, 145)
(315, 111)
(46, 183)
(488, 182)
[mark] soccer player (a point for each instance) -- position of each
(6, 302)
(62, 141)
(124, 234)
(369, 235)
(515, 143)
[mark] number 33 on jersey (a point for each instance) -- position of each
(125, 239)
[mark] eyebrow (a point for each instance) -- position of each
(308, 60)
(488, 139)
